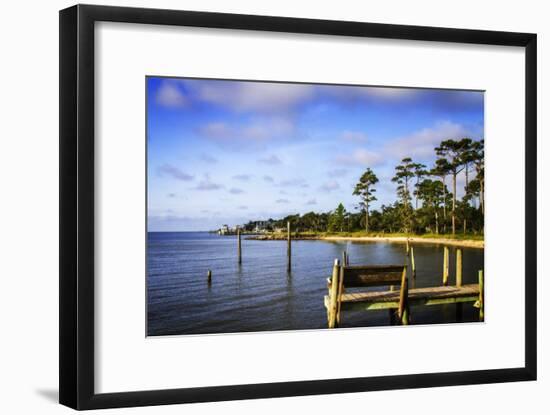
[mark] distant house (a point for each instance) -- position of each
(224, 230)
(260, 227)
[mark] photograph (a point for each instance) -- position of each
(291, 206)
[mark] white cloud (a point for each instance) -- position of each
(294, 183)
(208, 158)
(268, 179)
(253, 133)
(169, 95)
(272, 160)
(174, 172)
(282, 201)
(262, 97)
(311, 202)
(360, 93)
(421, 144)
(392, 93)
(236, 191)
(361, 157)
(207, 184)
(330, 186)
(216, 130)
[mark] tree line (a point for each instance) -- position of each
(424, 203)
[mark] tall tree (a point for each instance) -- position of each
(478, 148)
(452, 151)
(419, 172)
(468, 157)
(403, 174)
(365, 190)
(441, 170)
(432, 193)
(337, 219)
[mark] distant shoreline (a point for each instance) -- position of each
(466, 243)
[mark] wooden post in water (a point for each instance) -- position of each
(481, 299)
(403, 311)
(413, 265)
(209, 276)
(345, 261)
(445, 265)
(340, 288)
(333, 298)
(459, 267)
(408, 248)
(288, 248)
(459, 306)
(392, 311)
(239, 244)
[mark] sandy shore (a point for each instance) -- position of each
(467, 243)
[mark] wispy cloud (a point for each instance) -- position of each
(251, 133)
(243, 207)
(208, 158)
(243, 177)
(361, 157)
(421, 144)
(236, 191)
(282, 201)
(260, 97)
(171, 195)
(169, 95)
(268, 179)
(330, 186)
(207, 184)
(298, 182)
(271, 160)
(311, 202)
(174, 172)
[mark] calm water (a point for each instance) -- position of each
(260, 295)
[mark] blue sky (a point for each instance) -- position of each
(225, 152)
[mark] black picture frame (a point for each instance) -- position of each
(76, 279)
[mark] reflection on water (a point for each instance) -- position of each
(260, 295)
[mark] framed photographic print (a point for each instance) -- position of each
(309, 206)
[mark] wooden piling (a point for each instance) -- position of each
(403, 311)
(392, 311)
(340, 292)
(413, 265)
(333, 305)
(458, 275)
(239, 245)
(288, 248)
(345, 259)
(481, 299)
(408, 247)
(209, 276)
(445, 265)
(459, 267)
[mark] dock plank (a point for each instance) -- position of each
(374, 300)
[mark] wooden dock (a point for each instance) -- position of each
(345, 277)
(379, 300)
